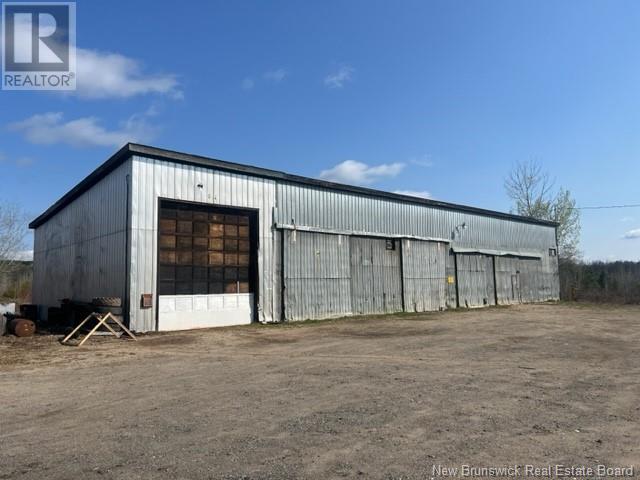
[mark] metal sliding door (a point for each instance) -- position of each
(476, 286)
(376, 284)
(316, 275)
(424, 275)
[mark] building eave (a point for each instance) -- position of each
(132, 149)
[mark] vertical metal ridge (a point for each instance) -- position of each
(78, 252)
(153, 179)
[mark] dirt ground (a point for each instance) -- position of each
(381, 397)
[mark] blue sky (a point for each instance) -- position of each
(437, 97)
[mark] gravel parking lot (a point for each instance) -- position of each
(378, 397)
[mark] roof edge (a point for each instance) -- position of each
(90, 180)
(131, 149)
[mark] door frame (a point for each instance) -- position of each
(254, 236)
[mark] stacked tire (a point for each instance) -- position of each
(112, 305)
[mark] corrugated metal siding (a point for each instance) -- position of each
(550, 270)
(475, 280)
(452, 299)
(424, 275)
(524, 280)
(154, 179)
(376, 285)
(531, 280)
(80, 253)
(507, 281)
(278, 276)
(320, 208)
(315, 207)
(317, 275)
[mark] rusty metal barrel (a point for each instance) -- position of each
(22, 327)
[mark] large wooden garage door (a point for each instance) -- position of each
(376, 284)
(476, 286)
(206, 266)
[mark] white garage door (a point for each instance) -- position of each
(180, 312)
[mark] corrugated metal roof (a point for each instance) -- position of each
(152, 152)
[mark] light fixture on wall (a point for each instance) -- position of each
(456, 231)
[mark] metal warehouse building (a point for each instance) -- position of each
(189, 242)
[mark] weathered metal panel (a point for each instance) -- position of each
(476, 286)
(324, 208)
(302, 228)
(424, 275)
(498, 253)
(316, 275)
(80, 252)
(154, 179)
(376, 282)
(524, 280)
(531, 280)
(552, 277)
(349, 213)
(507, 280)
(452, 300)
(278, 276)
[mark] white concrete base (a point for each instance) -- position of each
(184, 312)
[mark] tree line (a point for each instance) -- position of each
(606, 282)
(534, 195)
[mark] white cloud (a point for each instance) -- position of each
(338, 78)
(358, 173)
(248, 83)
(111, 75)
(423, 161)
(627, 219)
(414, 193)
(275, 76)
(50, 128)
(632, 234)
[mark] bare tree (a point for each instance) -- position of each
(534, 195)
(564, 211)
(13, 229)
